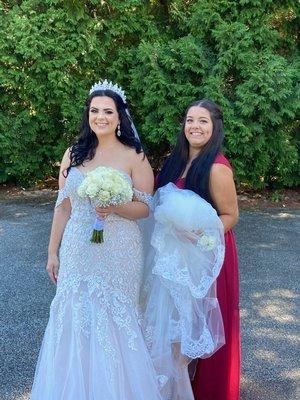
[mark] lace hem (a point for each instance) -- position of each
(181, 274)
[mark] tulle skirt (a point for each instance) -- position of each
(90, 353)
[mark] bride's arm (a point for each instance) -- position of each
(60, 219)
(143, 182)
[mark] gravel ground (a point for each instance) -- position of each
(269, 259)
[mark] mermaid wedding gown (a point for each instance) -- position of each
(93, 348)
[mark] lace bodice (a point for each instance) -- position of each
(73, 180)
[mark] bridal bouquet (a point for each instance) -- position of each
(105, 186)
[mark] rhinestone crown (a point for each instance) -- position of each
(106, 85)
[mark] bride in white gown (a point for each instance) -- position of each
(93, 348)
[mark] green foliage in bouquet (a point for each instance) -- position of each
(241, 54)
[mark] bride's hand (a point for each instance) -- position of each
(103, 212)
(52, 267)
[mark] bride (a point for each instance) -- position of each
(93, 347)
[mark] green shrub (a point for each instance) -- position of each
(241, 54)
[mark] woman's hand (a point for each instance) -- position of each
(182, 359)
(52, 267)
(103, 212)
(192, 236)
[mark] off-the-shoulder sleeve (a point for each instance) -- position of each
(143, 197)
(63, 193)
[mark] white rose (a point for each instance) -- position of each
(104, 196)
(92, 190)
(208, 242)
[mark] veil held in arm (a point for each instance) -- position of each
(184, 253)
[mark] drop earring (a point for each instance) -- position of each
(119, 131)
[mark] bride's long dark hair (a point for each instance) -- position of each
(84, 147)
(197, 178)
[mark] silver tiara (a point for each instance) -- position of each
(105, 85)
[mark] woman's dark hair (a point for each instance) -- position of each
(197, 178)
(85, 146)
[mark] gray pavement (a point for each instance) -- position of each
(269, 276)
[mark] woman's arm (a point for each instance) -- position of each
(60, 219)
(143, 180)
(223, 194)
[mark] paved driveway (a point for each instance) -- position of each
(269, 272)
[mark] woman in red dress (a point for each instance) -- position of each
(197, 163)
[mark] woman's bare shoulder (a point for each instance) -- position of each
(66, 160)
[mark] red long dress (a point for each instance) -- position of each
(218, 377)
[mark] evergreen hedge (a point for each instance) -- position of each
(241, 54)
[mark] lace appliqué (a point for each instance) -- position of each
(94, 303)
(179, 273)
(68, 190)
(189, 347)
(63, 194)
(144, 198)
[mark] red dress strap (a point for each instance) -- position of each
(221, 159)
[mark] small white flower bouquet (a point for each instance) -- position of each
(105, 186)
(206, 242)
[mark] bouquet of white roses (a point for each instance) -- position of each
(105, 186)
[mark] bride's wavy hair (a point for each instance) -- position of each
(84, 148)
(197, 178)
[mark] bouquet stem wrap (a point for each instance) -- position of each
(97, 235)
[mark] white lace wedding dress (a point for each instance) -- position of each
(93, 348)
